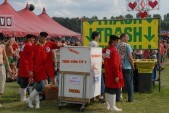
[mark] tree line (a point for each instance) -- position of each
(74, 24)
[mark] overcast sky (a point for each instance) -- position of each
(79, 8)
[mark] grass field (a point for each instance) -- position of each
(154, 102)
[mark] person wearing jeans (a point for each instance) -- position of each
(128, 82)
(125, 52)
(42, 66)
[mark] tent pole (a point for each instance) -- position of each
(159, 56)
(81, 19)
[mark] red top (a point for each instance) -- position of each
(146, 54)
(161, 49)
(15, 46)
(112, 67)
(26, 62)
(43, 63)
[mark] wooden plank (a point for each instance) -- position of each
(75, 73)
(70, 99)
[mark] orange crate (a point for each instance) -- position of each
(51, 92)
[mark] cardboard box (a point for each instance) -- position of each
(51, 92)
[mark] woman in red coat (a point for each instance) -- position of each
(113, 73)
(25, 70)
(42, 66)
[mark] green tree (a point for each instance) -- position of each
(104, 18)
(165, 22)
(112, 17)
(73, 24)
(148, 16)
(128, 16)
(94, 18)
(84, 18)
(120, 17)
(157, 16)
(137, 16)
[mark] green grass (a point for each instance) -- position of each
(154, 102)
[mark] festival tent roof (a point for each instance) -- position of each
(30, 23)
(30, 17)
(59, 29)
(20, 27)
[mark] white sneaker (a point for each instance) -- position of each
(101, 97)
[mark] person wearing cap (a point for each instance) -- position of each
(25, 70)
(127, 63)
(113, 73)
(43, 66)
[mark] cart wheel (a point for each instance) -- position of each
(82, 109)
(60, 107)
(87, 104)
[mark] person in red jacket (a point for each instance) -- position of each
(113, 73)
(43, 66)
(25, 70)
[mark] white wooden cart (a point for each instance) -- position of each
(80, 78)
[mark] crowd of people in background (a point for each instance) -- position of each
(17, 64)
(12, 48)
(118, 67)
(15, 55)
(153, 54)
